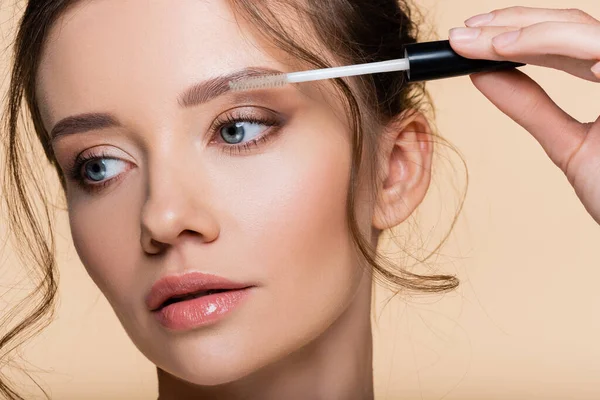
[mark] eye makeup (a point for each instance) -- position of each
(75, 172)
(248, 115)
(238, 122)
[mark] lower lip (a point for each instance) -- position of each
(202, 311)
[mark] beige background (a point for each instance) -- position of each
(525, 322)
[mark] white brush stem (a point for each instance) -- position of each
(351, 70)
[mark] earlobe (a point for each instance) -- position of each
(405, 157)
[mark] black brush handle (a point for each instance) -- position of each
(437, 60)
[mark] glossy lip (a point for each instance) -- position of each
(200, 311)
(190, 283)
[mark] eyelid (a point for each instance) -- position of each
(100, 148)
(252, 108)
(98, 151)
(253, 113)
(245, 113)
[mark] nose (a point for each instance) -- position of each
(175, 208)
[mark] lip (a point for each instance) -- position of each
(182, 285)
(194, 312)
(200, 312)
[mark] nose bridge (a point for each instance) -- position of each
(173, 203)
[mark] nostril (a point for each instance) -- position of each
(206, 236)
(156, 247)
(189, 232)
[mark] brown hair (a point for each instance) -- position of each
(355, 31)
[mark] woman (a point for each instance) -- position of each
(230, 232)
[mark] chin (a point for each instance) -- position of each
(204, 359)
(207, 371)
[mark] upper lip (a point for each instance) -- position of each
(181, 285)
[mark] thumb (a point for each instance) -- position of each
(524, 101)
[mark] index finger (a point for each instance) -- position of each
(525, 16)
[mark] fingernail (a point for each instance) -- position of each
(506, 39)
(464, 34)
(479, 20)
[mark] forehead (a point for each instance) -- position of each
(115, 53)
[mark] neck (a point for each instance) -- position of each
(336, 365)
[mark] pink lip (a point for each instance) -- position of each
(201, 311)
(194, 312)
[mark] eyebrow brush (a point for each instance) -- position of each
(424, 61)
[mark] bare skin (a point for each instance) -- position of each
(175, 197)
(567, 40)
(161, 192)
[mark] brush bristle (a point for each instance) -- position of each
(259, 82)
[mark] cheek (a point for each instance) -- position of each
(290, 229)
(292, 206)
(107, 242)
(282, 216)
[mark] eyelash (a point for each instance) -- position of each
(75, 173)
(273, 124)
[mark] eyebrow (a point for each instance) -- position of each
(196, 95)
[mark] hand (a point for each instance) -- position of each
(568, 40)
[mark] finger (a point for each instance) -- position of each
(477, 43)
(568, 39)
(525, 16)
(525, 102)
(578, 41)
(547, 38)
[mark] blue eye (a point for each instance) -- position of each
(242, 131)
(101, 169)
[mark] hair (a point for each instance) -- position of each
(355, 31)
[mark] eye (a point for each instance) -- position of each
(242, 131)
(101, 169)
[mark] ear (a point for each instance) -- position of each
(404, 169)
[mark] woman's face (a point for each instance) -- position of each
(169, 174)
